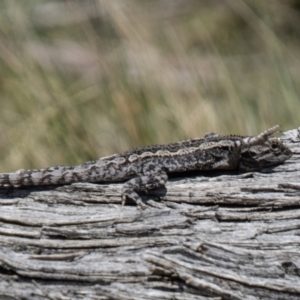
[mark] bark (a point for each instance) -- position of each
(211, 236)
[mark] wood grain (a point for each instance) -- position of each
(210, 236)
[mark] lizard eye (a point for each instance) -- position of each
(274, 147)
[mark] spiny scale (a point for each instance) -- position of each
(147, 167)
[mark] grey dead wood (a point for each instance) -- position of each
(216, 235)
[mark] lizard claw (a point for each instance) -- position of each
(135, 197)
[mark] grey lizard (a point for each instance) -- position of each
(148, 167)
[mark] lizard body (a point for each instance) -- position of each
(148, 167)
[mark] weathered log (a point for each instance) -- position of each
(211, 236)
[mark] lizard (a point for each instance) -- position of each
(148, 167)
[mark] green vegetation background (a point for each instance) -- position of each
(84, 79)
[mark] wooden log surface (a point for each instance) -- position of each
(210, 236)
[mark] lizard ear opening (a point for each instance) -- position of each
(248, 154)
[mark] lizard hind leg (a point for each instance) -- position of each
(261, 138)
(146, 181)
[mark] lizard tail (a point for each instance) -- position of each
(50, 176)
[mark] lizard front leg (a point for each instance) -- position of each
(151, 177)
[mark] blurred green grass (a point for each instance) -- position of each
(84, 79)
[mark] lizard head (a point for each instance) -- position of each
(270, 153)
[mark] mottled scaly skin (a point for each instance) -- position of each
(147, 167)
